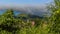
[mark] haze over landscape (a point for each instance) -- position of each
(26, 6)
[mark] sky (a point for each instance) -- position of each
(19, 3)
(23, 2)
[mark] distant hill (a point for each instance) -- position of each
(29, 10)
(28, 16)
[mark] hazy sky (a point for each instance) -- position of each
(19, 3)
(23, 2)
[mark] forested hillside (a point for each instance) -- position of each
(11, 23)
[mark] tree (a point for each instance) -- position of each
(55, 17)
(8, 22)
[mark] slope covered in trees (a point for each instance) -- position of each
(11, 23)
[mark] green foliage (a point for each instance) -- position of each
(55, 17)
(22, 24)
(8, 22)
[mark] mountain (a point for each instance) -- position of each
(28, 16)
(35, 10)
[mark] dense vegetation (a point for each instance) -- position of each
(31, 24)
